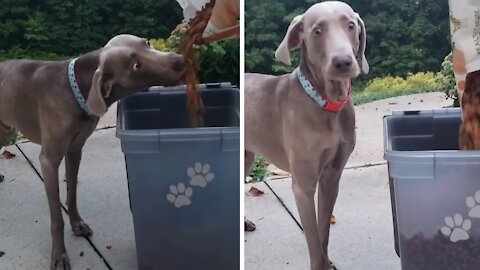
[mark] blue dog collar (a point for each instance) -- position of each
(75, 89)
(324, 102)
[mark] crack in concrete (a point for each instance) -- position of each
(65, 209)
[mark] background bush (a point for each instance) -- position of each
(60, 29)
(446, 80)
(421, 80)
(403, 36)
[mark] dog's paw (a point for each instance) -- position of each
(60, 262)
(332, 266)
(200, 175)
(179, 195)
(81, 229)
(457, 228)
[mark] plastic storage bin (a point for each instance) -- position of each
(435, 190)
(184, 183)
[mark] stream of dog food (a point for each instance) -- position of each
(470, 130)
(194, 36)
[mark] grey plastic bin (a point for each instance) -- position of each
(184, 183)
(435, 191)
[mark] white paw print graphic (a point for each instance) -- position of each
(200, 175)
(474, 204)
(179, 195)
(456, 228)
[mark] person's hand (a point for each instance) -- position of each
(225, 14)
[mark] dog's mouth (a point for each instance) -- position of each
(337, 75)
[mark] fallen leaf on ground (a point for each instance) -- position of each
(280, 173)
(81, 253)
(8, 155)
(333, 219)
(255, 192)
(2, 253)
(392, 103)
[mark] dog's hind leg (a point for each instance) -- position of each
(72, 164)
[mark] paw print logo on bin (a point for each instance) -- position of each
(199, 175)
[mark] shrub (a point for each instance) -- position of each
(421, 80)
(446, 80)
(219, 61)
(259, 169)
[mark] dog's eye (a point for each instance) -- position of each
(351, 26)
(317, 31)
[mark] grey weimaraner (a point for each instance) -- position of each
(37, 98)
(304, 122)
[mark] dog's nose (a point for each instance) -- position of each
(342, 63)
(177, 62)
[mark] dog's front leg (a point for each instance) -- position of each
(50, 159)
(72, 164)
(304, 184)
(327, 196)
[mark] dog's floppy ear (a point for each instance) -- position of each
(101, 87)
(362, 60)
(291, 41)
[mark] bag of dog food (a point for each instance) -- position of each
(465, 32)
(224, 22)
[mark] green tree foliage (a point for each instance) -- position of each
(406, 36)
(58, 28)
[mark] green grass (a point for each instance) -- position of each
(362, 97)
(14, 138)
(259, 169)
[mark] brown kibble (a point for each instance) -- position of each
(109, 246)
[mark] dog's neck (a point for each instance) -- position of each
(333, 90)
(85, 68)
